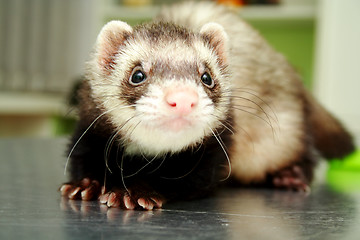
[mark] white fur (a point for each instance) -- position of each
(147, 131)
(153, 135)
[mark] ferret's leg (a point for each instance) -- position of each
(86, 167)
(281, 155)
(91, 178)
(292, 178)
(297, 176)
(184, 176)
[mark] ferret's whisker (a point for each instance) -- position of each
(117, 155)
(82, 135)
(255, 103)
(120, 143)
(143, 155)
(139, 170)
(158, 167)
(224, 150)
(105, 175)
(109, 144)
(198, 147)
(135, 126)
(225, 126)
(122, 173)
(87, 129)
(254, 94)
(229, 125)
(259, 98)
(253, 114)
(267, 121)
(269, 118)
(186, 174)
(106, 85)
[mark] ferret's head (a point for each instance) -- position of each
(163, 87)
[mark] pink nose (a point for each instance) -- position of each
(182, 101)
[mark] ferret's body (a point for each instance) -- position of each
(171, 108)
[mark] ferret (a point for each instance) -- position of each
(173, 108)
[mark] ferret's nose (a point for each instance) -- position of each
(182, 101)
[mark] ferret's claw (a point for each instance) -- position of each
(122, 199)
(86, 189)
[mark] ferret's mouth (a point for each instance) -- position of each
(176, 124)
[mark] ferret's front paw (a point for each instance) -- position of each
(86, 189)
(132, 199)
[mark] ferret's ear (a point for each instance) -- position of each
(216, 36)
(110, 38)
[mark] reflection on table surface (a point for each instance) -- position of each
(30, 207)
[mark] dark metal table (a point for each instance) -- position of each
(31, 171)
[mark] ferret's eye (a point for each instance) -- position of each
(207, 80)
(137, 77)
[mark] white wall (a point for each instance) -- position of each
(337, 70)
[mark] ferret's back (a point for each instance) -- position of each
(195, 15)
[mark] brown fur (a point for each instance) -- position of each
(268, 86)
